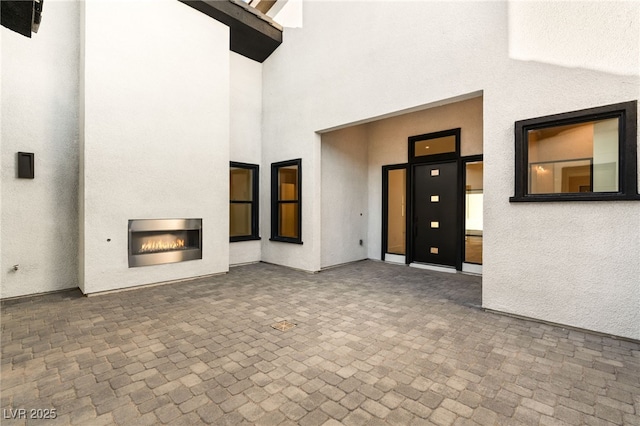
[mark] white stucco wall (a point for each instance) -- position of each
(246, 137)
(548, 34)
(156, 135)
(390, 56)
(39, 219)
(344, 196)
(319, 80)
(569, 263)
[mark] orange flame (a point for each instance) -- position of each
(161, 245)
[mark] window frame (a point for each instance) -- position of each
(255, 202)
(434, 157)
(275, 201)
(626, 112)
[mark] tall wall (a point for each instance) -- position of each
(155, 116)
(246, 138)
(39, 217)
(571, 263)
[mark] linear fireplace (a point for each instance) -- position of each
(157, 241)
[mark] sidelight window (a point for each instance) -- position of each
(286, 208)
(473, 225)
(243, 203)
(582, 155)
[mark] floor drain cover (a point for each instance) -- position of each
(283, 325)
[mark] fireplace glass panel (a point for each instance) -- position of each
(161, 241)
(158, 241)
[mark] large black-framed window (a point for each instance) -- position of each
(286, 201)
(586, 155)
(243, 202)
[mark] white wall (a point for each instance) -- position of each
(321, 79)
(572, 263)
(39, 220)
(156, 135)
(556, 33)
(344, 196)
(246, 138)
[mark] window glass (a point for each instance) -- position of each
(243, 202)
(241, 185)
(288, 183)
(435, 146)
(585, 155)
(239, 219)
(286, 223)
(473, 212)
(444, 144)
(573, 158)
(396, 210)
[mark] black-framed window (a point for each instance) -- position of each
(394, 209)
(437, 146)
(586, 155)
(243, 202)
(286, 201)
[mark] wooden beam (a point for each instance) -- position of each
(17, 16)
(251, 35)
(265, 5)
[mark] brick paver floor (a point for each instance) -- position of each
(373, 344)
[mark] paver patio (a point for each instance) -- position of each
(373, 344)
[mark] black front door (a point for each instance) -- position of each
(435, 208)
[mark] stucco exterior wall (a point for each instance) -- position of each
(344, 195)
(156, 135)
(571, 263)
(39, 219)
(246, 137)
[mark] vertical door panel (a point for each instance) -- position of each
(435, 213)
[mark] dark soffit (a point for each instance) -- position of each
(17, 16)
(252, 35)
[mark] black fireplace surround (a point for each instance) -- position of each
(158, 241)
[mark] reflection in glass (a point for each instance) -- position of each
(569, 176)
(473, 213)
(573, 158)
(396, 208)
